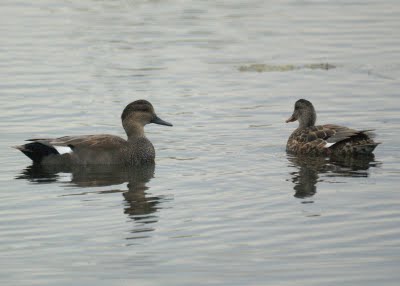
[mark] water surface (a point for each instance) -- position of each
(224, 204)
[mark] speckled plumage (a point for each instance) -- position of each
(326, 139)
(102, 149)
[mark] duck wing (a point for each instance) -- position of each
(69, 143)
(329, 133)
(341, 133)
(318, 138)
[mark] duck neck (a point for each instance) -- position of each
(308, 119)
(133, 130)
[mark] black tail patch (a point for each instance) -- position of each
(37, 151)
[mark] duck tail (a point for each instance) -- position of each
(365, 149)
(36, 151)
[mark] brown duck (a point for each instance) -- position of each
(327, 139)
(102, 149)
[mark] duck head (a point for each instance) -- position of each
(304, 112)
(137, 114)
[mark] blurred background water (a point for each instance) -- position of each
(224, 204)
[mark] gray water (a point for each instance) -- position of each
(224, 204)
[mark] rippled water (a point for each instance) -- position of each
(224, 204)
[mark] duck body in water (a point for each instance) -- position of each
(329, 139)
(102, 149)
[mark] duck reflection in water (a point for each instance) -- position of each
(139, 206)
(310, 169)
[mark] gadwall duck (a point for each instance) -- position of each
(326, 139)
(102, 149)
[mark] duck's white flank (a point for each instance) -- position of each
(329, 144)
(63, 149)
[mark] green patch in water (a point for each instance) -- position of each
(284, 68)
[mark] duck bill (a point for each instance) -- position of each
(291, 119)
(158, 120)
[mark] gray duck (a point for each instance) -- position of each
(329, 139)
(102, 149)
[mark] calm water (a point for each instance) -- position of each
(224, 204)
